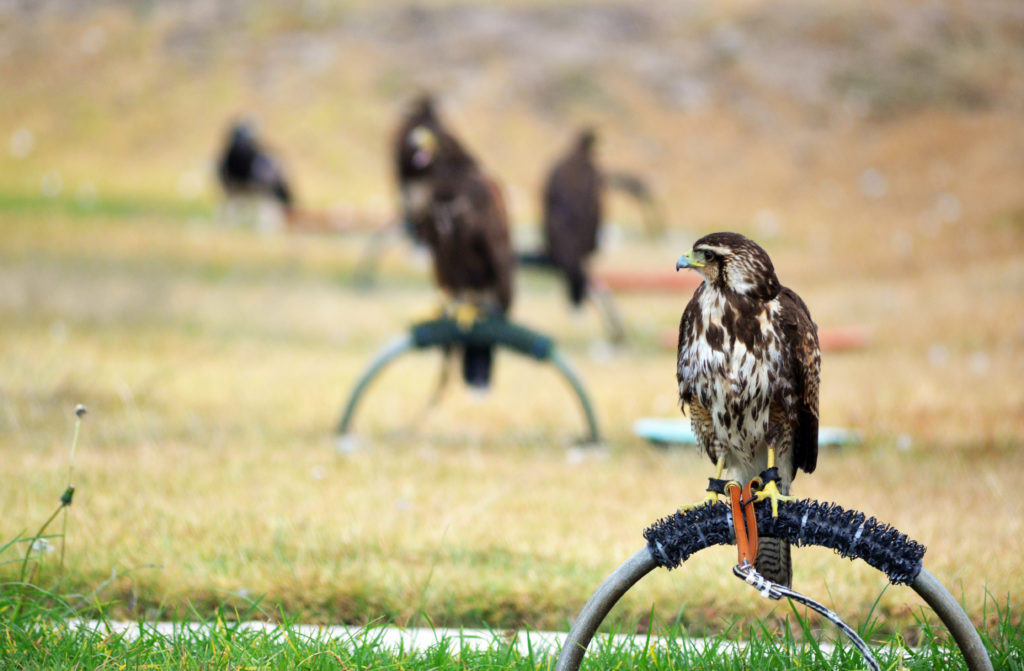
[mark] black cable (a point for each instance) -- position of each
(771, 590)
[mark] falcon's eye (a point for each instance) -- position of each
(709, 257)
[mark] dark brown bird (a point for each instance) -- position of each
(748, 367)
(572, 214)
(459, 213)
(246, 168)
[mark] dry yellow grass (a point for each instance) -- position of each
(215, 362)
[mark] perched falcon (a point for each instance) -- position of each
(459, 213)
(245, 168)
(748, 366)
(573, 210)
(572, 213)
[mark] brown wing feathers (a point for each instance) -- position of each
(802, 339)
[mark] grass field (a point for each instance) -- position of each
(215, 361)
(223, 643)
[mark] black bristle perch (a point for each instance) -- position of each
(851, 534)
(673, 539)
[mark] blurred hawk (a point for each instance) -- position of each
(748, 366)
(245, 168)
(573, 204)
(572, 213)
(459, 213)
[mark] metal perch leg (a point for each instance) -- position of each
(563, 366)
(599, 605)
(953, 616)
(384, 356)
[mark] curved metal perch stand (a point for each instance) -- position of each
(673, 539)
(490, 331)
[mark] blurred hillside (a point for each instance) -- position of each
(748, 115)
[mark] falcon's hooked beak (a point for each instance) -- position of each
(688, 261)
(425, 144)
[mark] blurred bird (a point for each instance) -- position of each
(459, 213)
(573, 210)
(572, 214)
(748, 366)
(246, 169)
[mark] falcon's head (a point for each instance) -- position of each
(424, 144)
(733, 262)
(586, 139)
(243, 131)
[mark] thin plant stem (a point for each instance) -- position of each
(28, 553)
(65, 501)
(80, 411)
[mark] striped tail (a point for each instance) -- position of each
(773, 560)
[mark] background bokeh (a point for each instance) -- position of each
(875, 149)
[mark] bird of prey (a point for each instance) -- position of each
(748, 367)
(459, 213)
(246, 169)
(572, 213)
(573, 208)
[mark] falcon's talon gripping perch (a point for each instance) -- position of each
(709, 500)
(716, 486)
(466, 315)
(772, 493)
(770, 490)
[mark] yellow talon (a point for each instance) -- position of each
(465, 315)
(709, 500)
(771, 491)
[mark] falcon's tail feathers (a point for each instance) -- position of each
(577, 281)
(773, 561)
(476, 365)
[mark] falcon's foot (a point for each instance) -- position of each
(709, 500)
(466, 315)
(716, 487)
(771, 491)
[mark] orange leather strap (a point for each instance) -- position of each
(744, 521)
(748, 509)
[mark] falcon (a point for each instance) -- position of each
(748, 367)
(245, 168)
(459, 213)
(572, 213)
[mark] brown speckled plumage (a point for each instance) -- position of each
(748, 367)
